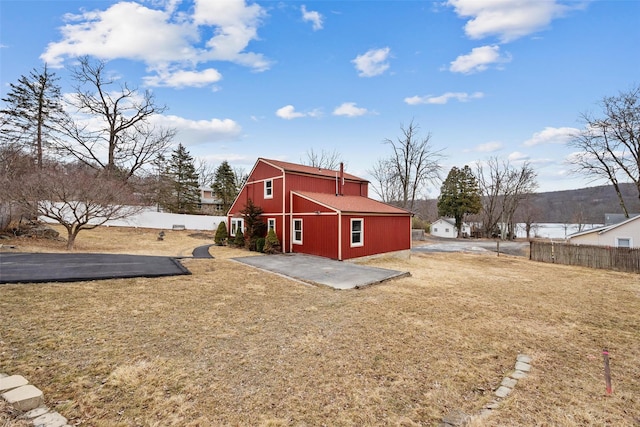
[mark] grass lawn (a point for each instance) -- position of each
(232, 345)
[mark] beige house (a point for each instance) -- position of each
(625, 234)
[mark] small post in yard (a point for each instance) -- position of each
(607, 372)
(498, 246)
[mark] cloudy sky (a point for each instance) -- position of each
(242, 80)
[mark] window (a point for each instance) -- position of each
(623, 242)
(237, 224)
(297, 231)
(357, 232)
(271, 224)
(268, 189)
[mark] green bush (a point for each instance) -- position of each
(272, 244)
(260, 244)
(221, 234)
(239, 239)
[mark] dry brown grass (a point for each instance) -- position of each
(231, 345)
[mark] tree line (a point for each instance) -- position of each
(97, 154)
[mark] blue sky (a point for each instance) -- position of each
(242, 80)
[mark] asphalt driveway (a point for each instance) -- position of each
(64, 267)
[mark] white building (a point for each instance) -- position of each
(446, 227)
(625, 234)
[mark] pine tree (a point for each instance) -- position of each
(225, 185)
(184, 191)
(33, 110)
(459, 195)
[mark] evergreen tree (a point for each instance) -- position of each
(255, 227)
(459, 195)
(225, 185)
(221, 234)
(32, 112)
(184, 194)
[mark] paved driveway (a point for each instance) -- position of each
(475, 246)
(64, 267)
(323, 271)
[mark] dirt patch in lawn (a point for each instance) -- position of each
(231, 345)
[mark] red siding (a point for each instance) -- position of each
(381, 234)
(264, 171)
(300, 204)
(319, 235)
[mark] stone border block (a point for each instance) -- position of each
(24, 398)
(51, 419)
(14, 381)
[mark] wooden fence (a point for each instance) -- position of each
(608, 258)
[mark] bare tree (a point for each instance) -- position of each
(503, 188)
(386, 184)
(325, 159)
(206, 172)
(33, 109)
(414, 164)
(77, 197)
(112, 129)
(610, 145)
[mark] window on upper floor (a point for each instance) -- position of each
(268, 189)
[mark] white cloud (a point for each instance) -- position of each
(193, 132)
(489, 147)
(517, 156)
(349, 109)
(373, 62)
(166, 40)
(289, 112)
(443, 99)
(507, 19)
(551, 135)
(478, 59)
(312, 16)
(182, 78)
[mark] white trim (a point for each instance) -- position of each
(359, 232)
(269, 221)
(234, 226)
(268, 188)
(293, 231)
(624, 238)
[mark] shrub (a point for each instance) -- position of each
(272, 244)
(221, 234)
(260, 244)
(239, 239)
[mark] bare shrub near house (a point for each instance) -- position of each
(77, 197)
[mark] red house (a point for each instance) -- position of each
(321, 212)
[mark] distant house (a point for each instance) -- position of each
(624, 234)
(209, 203)
(446, 227)
(321, 212)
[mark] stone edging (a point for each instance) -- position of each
(457, 418)
(25, 397)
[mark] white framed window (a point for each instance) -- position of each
(237, 224)
(268, 189)
(271, 224)
(623, 242)
(357, 232)
(297, 231)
